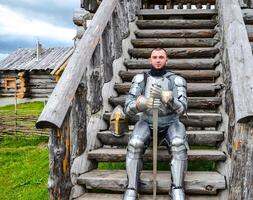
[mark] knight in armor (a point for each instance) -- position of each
(168, 91)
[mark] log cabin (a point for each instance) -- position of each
(209, 44)
(32, 72)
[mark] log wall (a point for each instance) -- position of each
(34, 84)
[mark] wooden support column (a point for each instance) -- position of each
(59, 184)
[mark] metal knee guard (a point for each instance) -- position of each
(178, 167)
(134, 156)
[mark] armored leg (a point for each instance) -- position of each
(178, 147)
(135, 150)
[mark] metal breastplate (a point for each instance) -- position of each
(166, 84)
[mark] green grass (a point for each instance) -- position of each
(23, 168)
(24, 108)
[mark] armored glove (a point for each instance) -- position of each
(165, 96)
(143, 103)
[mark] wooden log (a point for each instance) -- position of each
(192, 119)
(119, 155)
(102, 196)
(80, 16)
(239, 61)
(193, 89)
(208, 182)
(194, 138)
(208, 52)
(177, 33)
(247, 16)
(241, 162)
(173, 12)
(183, 1)
(59, 102)
(189, 75)
(171, 42)
(176, 24)
(59, 184)
(176, 64)
(193, 102)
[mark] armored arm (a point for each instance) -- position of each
(135, 100)
(179, 100)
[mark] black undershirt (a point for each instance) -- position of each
(155, 72)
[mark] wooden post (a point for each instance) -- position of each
(239, 55)
(59, 184)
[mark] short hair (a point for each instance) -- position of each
(159, 49)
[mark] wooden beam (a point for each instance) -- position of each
(239, 58)
(59, 102)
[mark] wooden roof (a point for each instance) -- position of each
(26, 59)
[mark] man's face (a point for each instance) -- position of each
(158, 59)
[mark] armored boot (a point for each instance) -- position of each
(178, 168)
(135, 151)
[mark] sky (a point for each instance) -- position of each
(23, 22)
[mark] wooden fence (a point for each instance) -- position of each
(12, 123)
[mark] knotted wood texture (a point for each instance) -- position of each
(59, 102)
(238, 58)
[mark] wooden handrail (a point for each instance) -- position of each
(57, 106)
(238, 58)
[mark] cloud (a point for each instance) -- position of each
(56, 12)
(19, 24)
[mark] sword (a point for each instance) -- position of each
(155, 131)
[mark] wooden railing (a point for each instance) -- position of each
(238, 111)
(58, 104)
(178, 4)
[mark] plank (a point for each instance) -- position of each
(193, 102)
(116, 180)
(176, 24)
(175, 12)
(189, 75)
(193, 89)
(103, 196)
(209, 138)
(197, 52)
(192, 119)
(177, 33)
(119, 155)
(176, 64)
(173, 42)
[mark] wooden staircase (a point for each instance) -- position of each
(191, 39)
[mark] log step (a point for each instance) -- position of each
(116, 180)
(177, 33)
(119, 155)
(176, 24)
(103, 196)
(199, 13)
(204, 52)
(193, 102)
(173, 42)
(176, 64)
(189, 75)
(201, 138)
(192, 119)
(193, 89)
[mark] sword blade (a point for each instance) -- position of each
(155, 131)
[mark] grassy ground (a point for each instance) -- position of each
(23, 167)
